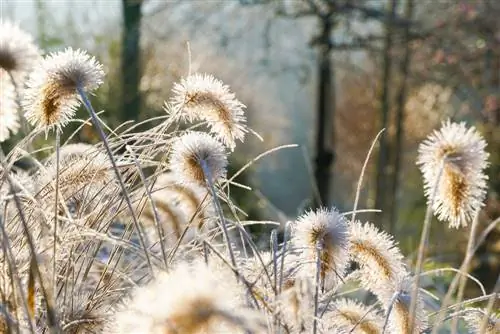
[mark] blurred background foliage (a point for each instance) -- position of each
(325, 74)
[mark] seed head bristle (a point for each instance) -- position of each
(474, 318)
(201, 96)
(51, 96)
(462, 187)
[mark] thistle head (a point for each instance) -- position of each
(453, 159)
(52, 93)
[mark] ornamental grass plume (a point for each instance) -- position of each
(203, 97)
(52, 94)
(377, 254)
(189, 299)
(9, 117)
(18, 53)
(456, 155)
(324, 230)
(197, 157)
(350, 316)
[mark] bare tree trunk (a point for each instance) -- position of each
(400, 115)
(130, 62)
(325, 114)
(383, 154)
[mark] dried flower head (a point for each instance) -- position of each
(457, 153)
(18, 53)
(399, 297)
(201, 96)
(348, 314)
(324, 230)
(196, 157)
(9, 119)
(51, 97)
(474, 319)
(190, 299)
(377, 254)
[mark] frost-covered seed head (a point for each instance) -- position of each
(462, 186)
(347, 313)
(18, 53)
(196, 157)
(377, 254)
(51, 97)
(326, 229)
(201, 96)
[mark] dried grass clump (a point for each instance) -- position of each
(95, 240)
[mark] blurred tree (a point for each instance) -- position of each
(130, 59)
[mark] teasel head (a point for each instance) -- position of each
(203, 97)
(9, 117)
(197, 157)
(323, 233)
(189, 299)
(453, 159)
(376, 252)
(18, 53)
(347, 314)
(51, 97)
(474, 319)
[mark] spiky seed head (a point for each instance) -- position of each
(474, 319)
(347, 314)
(197, 157)
(203, 97)
(460, 153)
(377, 254)
(326, 230)
(400, 295)
(189, 299)
(51, 96)
(18, 53)
(9, 119)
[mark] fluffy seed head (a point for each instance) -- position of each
(201, 96)
(51, 97)
(18, 53)
(190, 299)
(325, 229)
(380, 260)
(9, 119)
(347, 313)
(197, 156)
(462, 186)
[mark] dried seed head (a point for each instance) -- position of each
(18, 53)
(197, 157)
(347, 314)
(326, 230)
(9, 119)
(201, 96)
(51, 97)
(460, 153)
(376, 252)
(190, 299)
